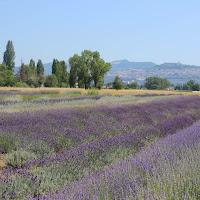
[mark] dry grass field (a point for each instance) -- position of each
(104, 91)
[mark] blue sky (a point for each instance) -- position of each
(137, 30)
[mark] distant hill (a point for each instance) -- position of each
(122, 65)
(177, 65)
(176, 73)
(48, 68)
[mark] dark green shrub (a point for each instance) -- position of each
(21, 84)
(51, 81)
(118, 84)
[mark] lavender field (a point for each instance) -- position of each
(100, 147)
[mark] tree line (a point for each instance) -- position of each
(85, 69)
(153, 83)
(190, 85)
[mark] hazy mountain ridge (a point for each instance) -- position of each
(177, 65)
(176, 73)
(121, 65)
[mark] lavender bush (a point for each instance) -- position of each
(16, 159)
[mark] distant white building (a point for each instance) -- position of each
(126, 82)
(169, 88)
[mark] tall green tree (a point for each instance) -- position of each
(64, 75)
(40, 68)
(6, 76)
(40, 73)
(32, 67)
(55, 66)
(9, 55)
(59, 69)
(74, 63)
(118, 84)
(87, 68)
(56, 70)
(32, 75)
(98, 70)
(83, 76)
(84, 71)
(23, 73)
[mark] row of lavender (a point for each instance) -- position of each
(53, 100)
(19, 92)
(168, 169)
(70, 144)
(63, 99)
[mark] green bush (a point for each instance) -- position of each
(51, 81)
(21, 84)
(7, 143)
(156, 83)
(17, 159)
(93, 91)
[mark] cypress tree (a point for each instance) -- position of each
(32, 67)
(59, 69)
(40, 73)
(40, 68)
(9, 56)
(74, 63)
(23, 73)
(64, 74)
(55, 66)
